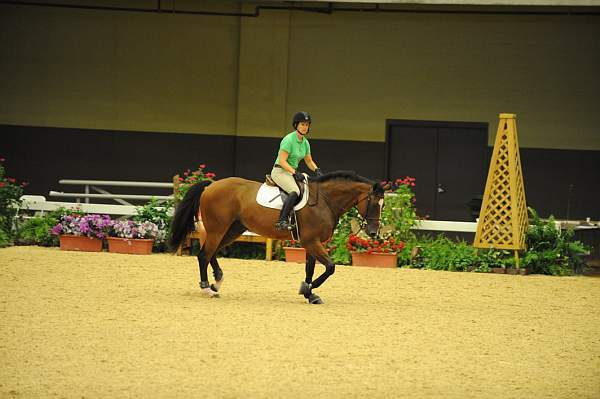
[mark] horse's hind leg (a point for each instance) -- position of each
(234, 231)
(203, 266)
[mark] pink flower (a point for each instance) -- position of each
(202, 166)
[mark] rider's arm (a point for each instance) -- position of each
(310, 163)
(283, 156)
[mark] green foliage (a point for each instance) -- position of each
(37, 230)
(339, 253)
(4, 239)
(399, 214)
(244, 250)
(10, 200)
(490, 258)
(156, 212)
(550, 250)
(442, 253)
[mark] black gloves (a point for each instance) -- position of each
(318, 172)
(299, 177)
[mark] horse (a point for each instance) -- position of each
(229, 208)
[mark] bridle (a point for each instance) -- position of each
(370, 196)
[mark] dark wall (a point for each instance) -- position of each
(560, 182)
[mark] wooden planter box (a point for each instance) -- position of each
(80, 243)
(135, 246)
(374, 259)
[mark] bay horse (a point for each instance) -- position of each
(229, 208)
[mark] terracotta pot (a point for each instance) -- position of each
(374, 259)
(80, 243)
(135, 246)
(498, 270)
(297, 255)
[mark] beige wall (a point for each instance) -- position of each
(121, 71)
(352, 71)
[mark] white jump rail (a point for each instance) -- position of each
(101, 193)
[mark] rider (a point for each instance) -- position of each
(293, 148)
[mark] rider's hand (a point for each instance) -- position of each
(299, 177)
(318, 172)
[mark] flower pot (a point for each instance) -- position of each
(512, 271)
(135, 246)
(297, 255)
(374, 259)
(80, 243)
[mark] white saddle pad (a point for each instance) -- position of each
(269, 197)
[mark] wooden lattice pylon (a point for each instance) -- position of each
(503, 217)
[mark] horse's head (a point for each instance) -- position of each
(370, 208)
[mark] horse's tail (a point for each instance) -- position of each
(187, 209)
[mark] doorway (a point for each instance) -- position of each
(448, 161)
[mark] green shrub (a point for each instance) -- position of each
(399, 213)
(551, 250)
(338, 250)
(4, 239)
(490, 258)
(156, 212)
(36, 231)
(10, 200)
(442, 253)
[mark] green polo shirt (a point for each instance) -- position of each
(296, 149)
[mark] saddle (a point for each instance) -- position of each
(270, 195)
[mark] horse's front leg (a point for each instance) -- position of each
(315, 251)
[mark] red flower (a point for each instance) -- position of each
(2, 184)
(202, 166)
(10, 179)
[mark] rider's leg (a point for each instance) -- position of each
(282, 223)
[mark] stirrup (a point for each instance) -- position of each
(282, 225)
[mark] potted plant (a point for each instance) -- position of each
(190, 178)
(293, 251)
(374, 252)
(131, 237)
(82, 233)
(10, 194)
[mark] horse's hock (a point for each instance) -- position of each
(247, 236)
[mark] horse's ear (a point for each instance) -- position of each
(378, 188)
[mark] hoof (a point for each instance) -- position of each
(209, 292)
(315, 299)
(305, 289)
(217, 285)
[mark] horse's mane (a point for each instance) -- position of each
(342, 175)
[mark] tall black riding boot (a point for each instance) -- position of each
(282, 223)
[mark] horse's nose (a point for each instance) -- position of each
(373, 234)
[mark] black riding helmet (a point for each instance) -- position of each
(300, 117)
